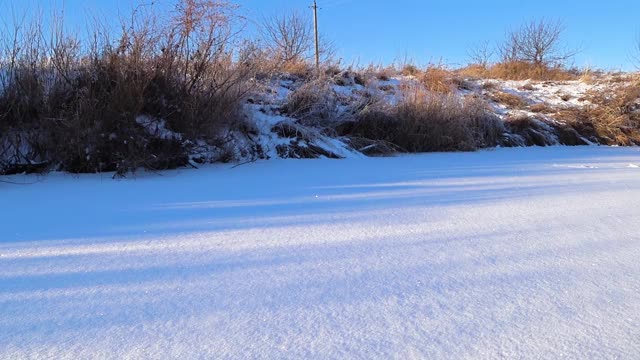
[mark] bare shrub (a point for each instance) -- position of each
(533, 51)
(481, 55)
(288, 36)
(290, 44)
(84, 101)
(537, 42)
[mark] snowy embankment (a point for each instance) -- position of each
(512, 253)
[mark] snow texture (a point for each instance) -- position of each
(511, 253)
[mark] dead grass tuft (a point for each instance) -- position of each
(518, 70)
(313, 104)
(541, 108)
(438, 79)
(611, 118)
(510, 100)
(426, 122)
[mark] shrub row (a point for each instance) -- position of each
(77, 106)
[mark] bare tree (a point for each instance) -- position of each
(481, 54)
(537, 42)
(508, 50)
(288, 36)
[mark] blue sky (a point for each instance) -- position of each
(424, 31)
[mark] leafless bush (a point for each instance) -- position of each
(85, 101)
(288, 36)
(289, 44)
(537, 42)
(533, 51)
(481, 55)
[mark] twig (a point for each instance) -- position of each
(244, 163)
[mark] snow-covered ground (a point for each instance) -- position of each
(510, 253)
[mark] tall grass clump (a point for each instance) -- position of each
(314, 103)
(519, 70)
(118, 101)
(423, 121)
(612, 117)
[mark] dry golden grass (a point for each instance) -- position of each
(589, 77)
(612, 115)
(438, 79)
(410, 70)
(520, 70)
(473, 71)
(298, 68)
(541, 108)
(425, 121)
(383, 73)
(510, 100)
(517, 70)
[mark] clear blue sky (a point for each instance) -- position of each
(382, 31)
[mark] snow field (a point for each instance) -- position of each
(511, 253)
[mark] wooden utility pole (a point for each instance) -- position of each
(315, 26)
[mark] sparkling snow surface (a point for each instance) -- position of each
(513, 253)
